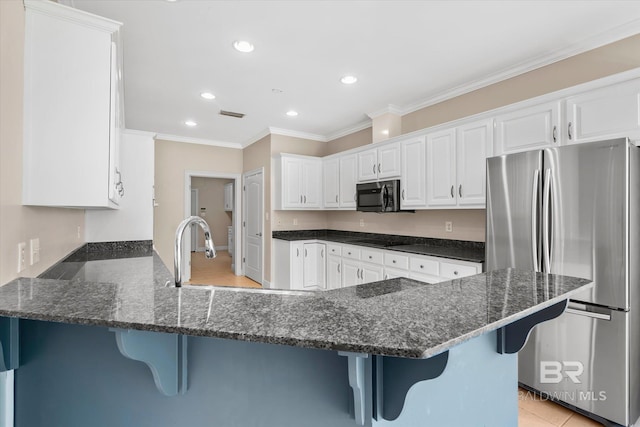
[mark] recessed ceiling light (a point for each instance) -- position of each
(190, 123)
(349, 80)
(207, 95)
(292, 113)
(243, 46)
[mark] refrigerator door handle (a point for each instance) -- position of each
(545, 221)
(534, 220)
(580, 310)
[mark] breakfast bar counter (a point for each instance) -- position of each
(390, 352)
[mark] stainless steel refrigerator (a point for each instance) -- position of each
(575, 210)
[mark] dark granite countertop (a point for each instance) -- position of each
(397, 317)
(443, 248)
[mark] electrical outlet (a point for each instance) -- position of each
(295, 221)
(34, 250)
(22, 249)
(448, 226)
(361, 222)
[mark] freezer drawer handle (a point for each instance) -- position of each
(588, 314)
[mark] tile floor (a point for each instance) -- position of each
(537, 412)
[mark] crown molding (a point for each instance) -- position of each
(391, 108)
(71, 14)
(297, 134)
(623, 31)
(139, 133)
(256, 138)
(347, 131)
(201, 141)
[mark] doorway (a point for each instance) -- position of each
(252, 230)
(224, 224)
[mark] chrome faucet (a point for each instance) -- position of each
(209, 251)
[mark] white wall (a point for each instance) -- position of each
(134, 219)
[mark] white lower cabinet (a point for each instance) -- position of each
(334, 272)
(299, 265)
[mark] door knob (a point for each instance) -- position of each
(259, 234)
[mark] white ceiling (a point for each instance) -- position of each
(404, 53)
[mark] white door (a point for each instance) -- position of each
(529, 128)
(441, 173)
(252, 226)
(350, 272)
(348, 181)
(334, 272)
(371, 273)
(331, 179)
(389, 161)
(473, 145)
(312, 183)
(368, 165)
(414, 181)
(194, 227)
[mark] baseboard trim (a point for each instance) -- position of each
(266, 284)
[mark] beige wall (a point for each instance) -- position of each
(56, 228)
(610, 59)
(211, 198)
(256, 156)
(470, 224)
(354, 140)
(172, 159)
(293, 145)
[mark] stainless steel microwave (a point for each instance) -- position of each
(382, 196)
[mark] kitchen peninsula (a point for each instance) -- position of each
(386, 353)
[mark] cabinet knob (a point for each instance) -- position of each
(370, 257)
(455, 273)
(349, 253)
(422, 266)
(394, 261)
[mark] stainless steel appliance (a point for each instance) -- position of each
(575, 210)
(381, 196)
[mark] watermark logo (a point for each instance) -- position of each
(551, 371)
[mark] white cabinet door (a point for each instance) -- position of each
(291, 183)
(472, 149)
(389, 161)
(602, 113)
(228, 197)
(331, 180)
(348, 181)
(350, 272)
(334, 272)
(296, 277)
(413, 193)
(368, 165)
(314, 266)
(71, 116)
(311, 183)
(441, 173)
(527, 129)
(371, 273)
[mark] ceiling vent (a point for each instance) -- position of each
(231, 114)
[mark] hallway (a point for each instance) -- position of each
(217, 271)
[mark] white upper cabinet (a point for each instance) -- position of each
(379, 163)
(473, 146)
(331, 183)
(348, 181)
(73, 113)
(603, 113)
(228, 196)
(297, 182)
(456, 165)
(441, 171)
(528, 128)
(413, 193)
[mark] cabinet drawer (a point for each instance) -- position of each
(396, 260)
(424, 266)
(334, 249)
(371, 256)
(351, 252)
(455, 271)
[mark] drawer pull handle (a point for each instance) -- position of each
(394, 261)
